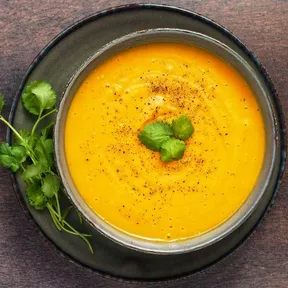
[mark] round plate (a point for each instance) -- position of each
(56, 63)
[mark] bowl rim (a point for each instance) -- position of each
(130, 241)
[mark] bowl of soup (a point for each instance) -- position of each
(122, 188)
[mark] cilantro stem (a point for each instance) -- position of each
(58, 205)
(53, 173)
(74, 233)
(36, 124)
(65, 216)
(40, 118)
(66, 213)
(55, 220)
(80, 235)
(12, 128)
(31, 155)
(72, 230)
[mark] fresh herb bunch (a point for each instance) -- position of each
(32, 154)
(167, 139)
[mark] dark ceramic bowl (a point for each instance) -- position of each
(268, 175)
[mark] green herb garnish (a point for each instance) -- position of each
(172, 149)
(182, 127)
(155, 134)
(161, 136)
(32, 156)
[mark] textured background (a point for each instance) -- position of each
(25, 261)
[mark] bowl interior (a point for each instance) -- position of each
(266, 179)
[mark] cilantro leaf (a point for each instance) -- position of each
(5, 148)
(38, 96)
(12, 156)
(9, 162)
(44, 152)
(2, 102)
(51, 185)
(154, 134)
(19, 152)
(172, 149)
(48, 144)
(182, 127)
(35, 196)
(32, 171)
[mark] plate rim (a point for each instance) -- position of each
(113, 10)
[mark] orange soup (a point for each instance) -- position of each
(127, 184)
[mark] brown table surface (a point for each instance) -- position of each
(25, 27)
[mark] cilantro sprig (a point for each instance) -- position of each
(167, 139)
(32, 155)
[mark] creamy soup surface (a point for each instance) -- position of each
(127, 184)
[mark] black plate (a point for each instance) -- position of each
(56, 63)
